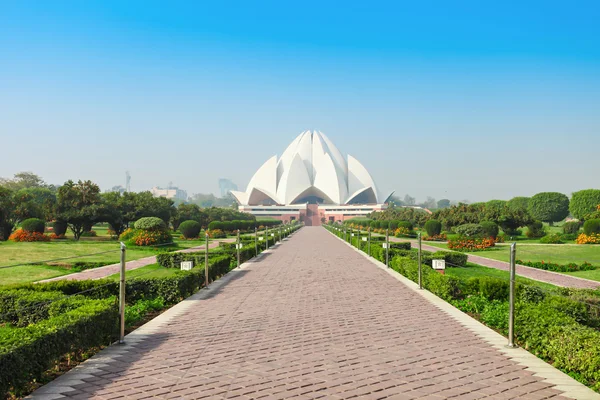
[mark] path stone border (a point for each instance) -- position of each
(64, 383)
(540, 368)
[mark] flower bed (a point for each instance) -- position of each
(471, 244)
(571, 267)
(593, 238)
(21, 235)
(436, 238)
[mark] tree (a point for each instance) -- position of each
(115, 208)
(584, 202)
(79, 205)
(8, 215)
(429, 203)
(395, 201)
(549, 207)
(24, 180)
(35, 202)
(409, 201)
(443, 203)
(187, 212)
(518, 203)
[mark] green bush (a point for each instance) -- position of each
(584, 202)
(470, 230)
(433, 227)
(394, 225)
(24, 307)
(571, 227)
(591, 226)
(33, 225)
(59, 227)
(136, 312)
(553, 238)
(490, 229)
(190, 229)
(150, 224)
(406, 224)
(536, 230)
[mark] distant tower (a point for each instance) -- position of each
(127, 181)
(225, 185)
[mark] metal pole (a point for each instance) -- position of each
(420, 272)
(369, 241)
(511, 299)
(256, 240)
(206, 263)
(267, 235)
(358, 239)
(238, 248)
(387, 247)
(122, 296)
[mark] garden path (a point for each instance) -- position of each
(310, 318)
(103, 272)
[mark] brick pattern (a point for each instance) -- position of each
(312, 319)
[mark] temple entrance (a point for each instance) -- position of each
(312, 215)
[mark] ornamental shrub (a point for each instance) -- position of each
(571, 227)
(584, 202)
(150, 224)
(190, 229)
(463, 243)
(470, 230)
(594, 238)
(433, 227)
(33, 225)
(549, 207)
(393, 225)
(406, 224)
(591, 226)
(535, 230)
(59, 227)
(490, 229)
(553, 238)
(374, 224)
(24, 236)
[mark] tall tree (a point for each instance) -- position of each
(584, 203)
(549, 207)
(35, 202)
(78, 204)
(409, 201)
(443, 203)
(8, 215)
(24, 180)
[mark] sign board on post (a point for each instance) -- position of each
(364, 239)
(384, 245)
(238, 245)
(261, 238)
(272, 234)
(352, 234)
(438, 264)
(187, 265)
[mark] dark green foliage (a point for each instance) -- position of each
(553, 238)
(433, 227)
(190, 229)
(571, 227)
(406, 224)
(374, 224)
(150, 224)
(535, 230)
(531, 294)
(518, 203)
(591, 226)
(393, 225)
(584, 202)
(490, 229)
(33, 225)
(470, 230)
(79, 205)
(59, 227)
(549, 206)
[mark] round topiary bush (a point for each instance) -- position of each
(406, 225)
(571, 227)
(33, 225)
(469, 230)
(433, 227)
(150, 224)
(536, 230)
(490, 229)
(591, 226)
(393, 225)
(190, 229)
(59, 227)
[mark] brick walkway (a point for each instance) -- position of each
(103, 272)
(311, 319)
(553, 278)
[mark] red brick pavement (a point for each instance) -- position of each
(312, 319)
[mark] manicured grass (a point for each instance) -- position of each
(149, 271)
(30, 273)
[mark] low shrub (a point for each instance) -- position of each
(436, 238)
(21, 235)
(535, 230)
(568, 236)
(150, 224)
(216, 234)
(137, 311)
(90, 233)
(470, 230)
(433, 227)
(571, 267)
(59, 227)
(571, 227)
(54, 236)
(553, 238)
(144, 237)
(33, 225)
(490, 229)
(462, 243)
(591, 227)
(190, 229)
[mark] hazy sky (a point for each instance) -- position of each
(448, 99)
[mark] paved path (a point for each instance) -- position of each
(551, 277)
(103, 272)
(310, 319)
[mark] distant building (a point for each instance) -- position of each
(226, 186)
(118, 189)
(170, 193)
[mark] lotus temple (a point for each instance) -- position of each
(312, 181)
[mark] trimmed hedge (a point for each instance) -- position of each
(190, 229)
(150, 224)
(433, 227)
(591, 226)
(33, 225)
(59, 227)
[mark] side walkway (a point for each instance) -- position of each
(551, 277)
(103, 272)
(309, 319)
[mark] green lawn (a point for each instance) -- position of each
(30, 273)
(149, 271)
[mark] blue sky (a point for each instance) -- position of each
(462, 100)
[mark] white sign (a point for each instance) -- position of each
(352, 234)
(272, 234)
(187, 265)
(261, 238)
(384, 245)
(238, 245)
(364, 239)
(438, 264)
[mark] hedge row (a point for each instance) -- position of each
(229, 226)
